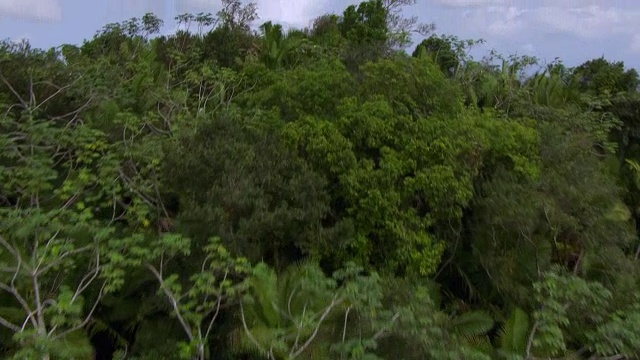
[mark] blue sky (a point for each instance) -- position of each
(574, 30)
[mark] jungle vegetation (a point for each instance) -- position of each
(332, 192)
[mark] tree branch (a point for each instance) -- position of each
(215, 315)
(87, 318)
(58, 91)
(173, 300)
(60, 258)
(6, 323)
(248, 332)
(384, 328)
(88, 278)
(326, 312)
(11, 288)
(22, 102)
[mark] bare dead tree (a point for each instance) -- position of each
(402, 27)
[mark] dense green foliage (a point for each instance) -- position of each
(323, 193)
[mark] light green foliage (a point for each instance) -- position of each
(599, 76)
(54, 273)
(57, 177)
(555, 86)
(513, 144)
(141, 176)
(391, 168)
(301, 312)
(496, 82)
(312, 90)
(365, 23)
(514, 335)
(618, 335)
(424, 332)
(284, 49)
(569, 303)
(195, 301)
(473, 323)
(413, 86)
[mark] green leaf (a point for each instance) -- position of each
(472, 323)
(514, 334)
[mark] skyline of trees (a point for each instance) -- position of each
(316, 193)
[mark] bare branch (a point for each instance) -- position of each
(344, 328)
(11, 288)
(304, 311)
(62, 256)
(87, 318)
(6, 323)
(532, 335)
(248, 332)
(13, 291)
(215, 315)
(39, 308)
(10, 248)
(384, 328)
(173, 300)
(74, 112)
(88, 278)
(46, 246)
(22, 102)
(304, 346)
(60, 89)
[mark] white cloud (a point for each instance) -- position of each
(508, 22)
(47, 10)
(205, 5)
(468, 3)
(590, 22)
(286, 12)
(494, 21)
(125, 9)
(587, 19)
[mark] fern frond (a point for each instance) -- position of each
(479, 343)
(473, 323)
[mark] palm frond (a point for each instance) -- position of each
(472, 323)
(515, 332)
(480, 343)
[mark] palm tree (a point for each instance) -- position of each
(282, 315)
(555, 86)
(514, 336)
(277, 46)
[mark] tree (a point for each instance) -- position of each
(57, 176)
(196, 303)
(401, 28)
(266, 205)
(442, 53)
(566, 303)
(301, 311)
(55, 268)
(277, 47)
(366, 23)
(366, 30)
(599, 76)
(141, 176)
(236, 15)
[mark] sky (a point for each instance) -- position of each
(572, 30)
